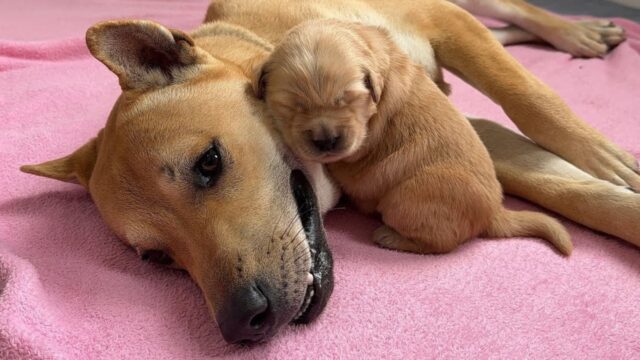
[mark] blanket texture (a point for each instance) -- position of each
(70, 290)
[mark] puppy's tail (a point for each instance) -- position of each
(508, 223)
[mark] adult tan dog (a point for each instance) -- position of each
(189, 171)
(345, 95)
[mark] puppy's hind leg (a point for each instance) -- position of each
(388, 238)
(432, 213)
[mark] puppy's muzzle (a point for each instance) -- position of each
(326, 140)
(328, 144)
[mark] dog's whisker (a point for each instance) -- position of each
(275, 228)
(302, 241)
(300, 256)
(293, 239)
(306, 212)
(286, 231)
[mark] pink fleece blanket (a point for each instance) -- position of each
(69, 289)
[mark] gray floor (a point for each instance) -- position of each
(599, 8)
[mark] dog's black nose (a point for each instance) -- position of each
(326, 144)
(246, 316)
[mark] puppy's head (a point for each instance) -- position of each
(322, 84)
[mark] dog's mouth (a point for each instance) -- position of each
(320, 277)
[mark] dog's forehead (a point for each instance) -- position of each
(221, 98)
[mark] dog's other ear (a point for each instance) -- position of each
(374, 83)
(75, 168)
(144, 54)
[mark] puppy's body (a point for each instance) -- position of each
(402, 149)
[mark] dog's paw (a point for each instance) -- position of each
(586, 38)
(607, 161)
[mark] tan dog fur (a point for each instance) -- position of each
(138, 168)
(407, 153)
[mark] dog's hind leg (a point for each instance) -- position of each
(585, 38)
(526, 170)
(510, 35)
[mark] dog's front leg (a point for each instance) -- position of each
(528, 171)
(467, 48)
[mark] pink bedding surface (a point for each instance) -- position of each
(70, 290)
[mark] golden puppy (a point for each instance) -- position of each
(344, 94)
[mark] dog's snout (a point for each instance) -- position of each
(247, 316)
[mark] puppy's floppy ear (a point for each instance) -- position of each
(374, 83)
(144, 54)
(259, 81)
(75, 168)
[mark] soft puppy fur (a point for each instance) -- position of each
(344, 94)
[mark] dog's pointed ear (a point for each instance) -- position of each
(75, 168)
(143, 53)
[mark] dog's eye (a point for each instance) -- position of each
(209, 167)
(157, 257)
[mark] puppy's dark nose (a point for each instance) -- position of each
(246, 316)
(328, 143)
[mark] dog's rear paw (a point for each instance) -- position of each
(586, 38)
